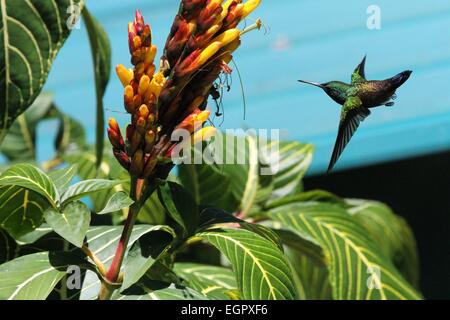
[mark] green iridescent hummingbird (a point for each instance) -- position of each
(356, 99)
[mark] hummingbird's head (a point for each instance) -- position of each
(334, 89)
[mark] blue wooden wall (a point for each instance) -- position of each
(306, 39)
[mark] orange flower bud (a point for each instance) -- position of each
(135, 141)
(137, 163)
(129, 92)
(139, 70)
(139, 19)
(143, 111)
(141, 124)
(113, 124)
(150, 138)
(122, 158)
(150, 55)
(137, 42)
(150, 71)
(144, 85)
(137, 101)
(115, 136)
(124, 75)
(149, 167)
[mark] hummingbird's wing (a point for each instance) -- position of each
(359, 75)
(352, 114)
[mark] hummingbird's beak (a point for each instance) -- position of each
(313, 83)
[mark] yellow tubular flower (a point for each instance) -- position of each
(157, 84)
(199, 136)
(224, 13)
(226, 5)
(227, 37)
(213, 30)
(203, 135)
(206, 54)
(203, 116)
(230, 48)
(249, 7)
(217, 43)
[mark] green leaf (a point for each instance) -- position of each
(21, 210)
(308, 263)
(180, 205)
(250, 192)
(145, 252)
(110, 169)
(153, 292)
(63, 177)
(212, 281)
(211, 216)
(86, 188)
(392, 234)
(20, 142)
(35, 235)
(33, 277)
(30, 177)
(232, 187)
(244, 174)
(262, 271)
(358, 268)
(264, 232)
(7, 247)
(118, 201)
(313, 279)
(291, 161)
(208, 186)
(31, 34)
(101, 54)
(71, 135)
(72, 223)
(153, 212)
(308, 196)
(102, 241)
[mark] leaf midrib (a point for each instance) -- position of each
(363, 258)
(7, 66)
(255, 259)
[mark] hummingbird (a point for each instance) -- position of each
(356, 99)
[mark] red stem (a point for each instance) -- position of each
(114, 269)
(112, 275)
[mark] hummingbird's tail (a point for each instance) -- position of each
(398, 80)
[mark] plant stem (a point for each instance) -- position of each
(139, 194)
(95, 259)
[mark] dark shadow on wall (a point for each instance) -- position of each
(417, 189)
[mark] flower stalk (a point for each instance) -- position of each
(200, 45)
